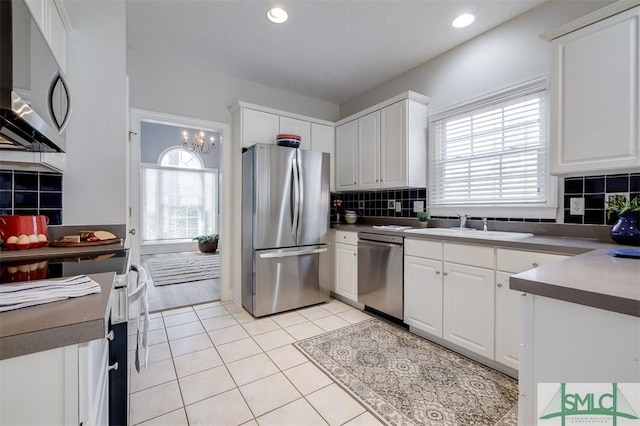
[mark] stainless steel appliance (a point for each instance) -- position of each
(35, 104)
(380, 273)
(285, 220)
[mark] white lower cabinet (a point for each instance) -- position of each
(346, 264)
(507, 322)
(468, 318)
(423, 294)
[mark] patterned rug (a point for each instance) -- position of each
(184, 269)
(406, 380)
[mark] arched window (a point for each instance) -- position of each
(178, 157)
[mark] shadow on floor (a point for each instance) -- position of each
(178, 295)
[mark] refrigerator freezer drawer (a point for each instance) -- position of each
(287, 279)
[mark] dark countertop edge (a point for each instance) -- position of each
(46, 338)
(57, 252)
(580, 297)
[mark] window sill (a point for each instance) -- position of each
(523, 212)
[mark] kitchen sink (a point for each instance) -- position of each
(470, 233)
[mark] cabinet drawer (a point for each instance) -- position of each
(423, 248)
(347, 237)
(480, 256)
(519, 261)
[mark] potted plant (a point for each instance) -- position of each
(207, 243)
(423, 219)
(625, 230)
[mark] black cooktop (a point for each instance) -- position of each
(56, 267)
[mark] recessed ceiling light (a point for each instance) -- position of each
(277, 15)
(463, 20)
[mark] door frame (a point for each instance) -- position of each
(137, 116)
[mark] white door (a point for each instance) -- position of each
(507, 322)
(423, 294)
(369, 151)
(347, 271)
(346, 155)
(469, 307)
(393, 145)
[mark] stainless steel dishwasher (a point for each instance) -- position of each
(380, 273)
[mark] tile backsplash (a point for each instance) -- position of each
(31, 193)
(375, 203)
(593, 189)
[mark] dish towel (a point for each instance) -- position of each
(139, 294)
(31, 293)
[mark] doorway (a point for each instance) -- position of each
(175, 196)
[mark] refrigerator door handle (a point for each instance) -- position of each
(296, 199)
(292, 253)
(301, 195)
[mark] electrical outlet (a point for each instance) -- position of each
(576, 206)
(361, 204)
(391, 204)
(610, 196)
(398, 207)
(418, 206)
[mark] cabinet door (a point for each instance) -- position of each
(57, 35)
(346, 155)
(423, 294)
(393, 145)
(469, 308)
(259, 127)
(347, 271)
(369, 151)
(297, 127)
(596, 96)
(507, 322)
(323, 139)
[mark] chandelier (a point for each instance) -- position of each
(199, 143)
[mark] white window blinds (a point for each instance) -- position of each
(494, 155)
(178, 203)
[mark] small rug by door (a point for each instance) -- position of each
(407, 380)
(184, 269)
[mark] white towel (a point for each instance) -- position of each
(139, 294)
(30, 293)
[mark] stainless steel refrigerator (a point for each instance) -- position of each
(285, 220)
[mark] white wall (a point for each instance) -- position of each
(507, 55)
(95, 177)
(163, 85)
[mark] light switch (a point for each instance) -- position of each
(398, 207)
(418, 206)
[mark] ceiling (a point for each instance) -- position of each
(332, 50)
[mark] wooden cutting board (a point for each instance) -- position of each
(83, 243)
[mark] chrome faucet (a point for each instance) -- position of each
(463, 220)
(484, 224)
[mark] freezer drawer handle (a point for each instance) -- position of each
(291, 253)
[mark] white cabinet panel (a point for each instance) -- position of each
(347, 237)
(259, 127)
(393, 145)
(423, 294)
(469, 308)
(323, 139)
(507, 322)
(297, 127)
(369, 151)
(346, 262)
(346, 156)
(516, 261)
(596, 96)
(423, 248)
(481, 256)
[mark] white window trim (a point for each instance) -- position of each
(539, 211)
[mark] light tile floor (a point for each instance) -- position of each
(214, 364)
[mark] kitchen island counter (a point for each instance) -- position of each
(57, 324)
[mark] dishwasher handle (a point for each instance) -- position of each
(379, 243)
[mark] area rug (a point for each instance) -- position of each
(184, 269)
(406, 380)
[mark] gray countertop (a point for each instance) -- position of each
(57, 324)
(51, 252)
(590, 277)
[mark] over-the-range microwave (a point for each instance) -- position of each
(35, 104)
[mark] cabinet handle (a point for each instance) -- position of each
(114, 366)
(499, 285)
(355, 254)
(445, 274)
(534, 264)
(109, 336)
(437, 272)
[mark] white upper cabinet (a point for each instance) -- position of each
(323, 139)
(297, 127)
(595, 96)
(259, 127)
(46, 15)
(391, 145)
(346, 156)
